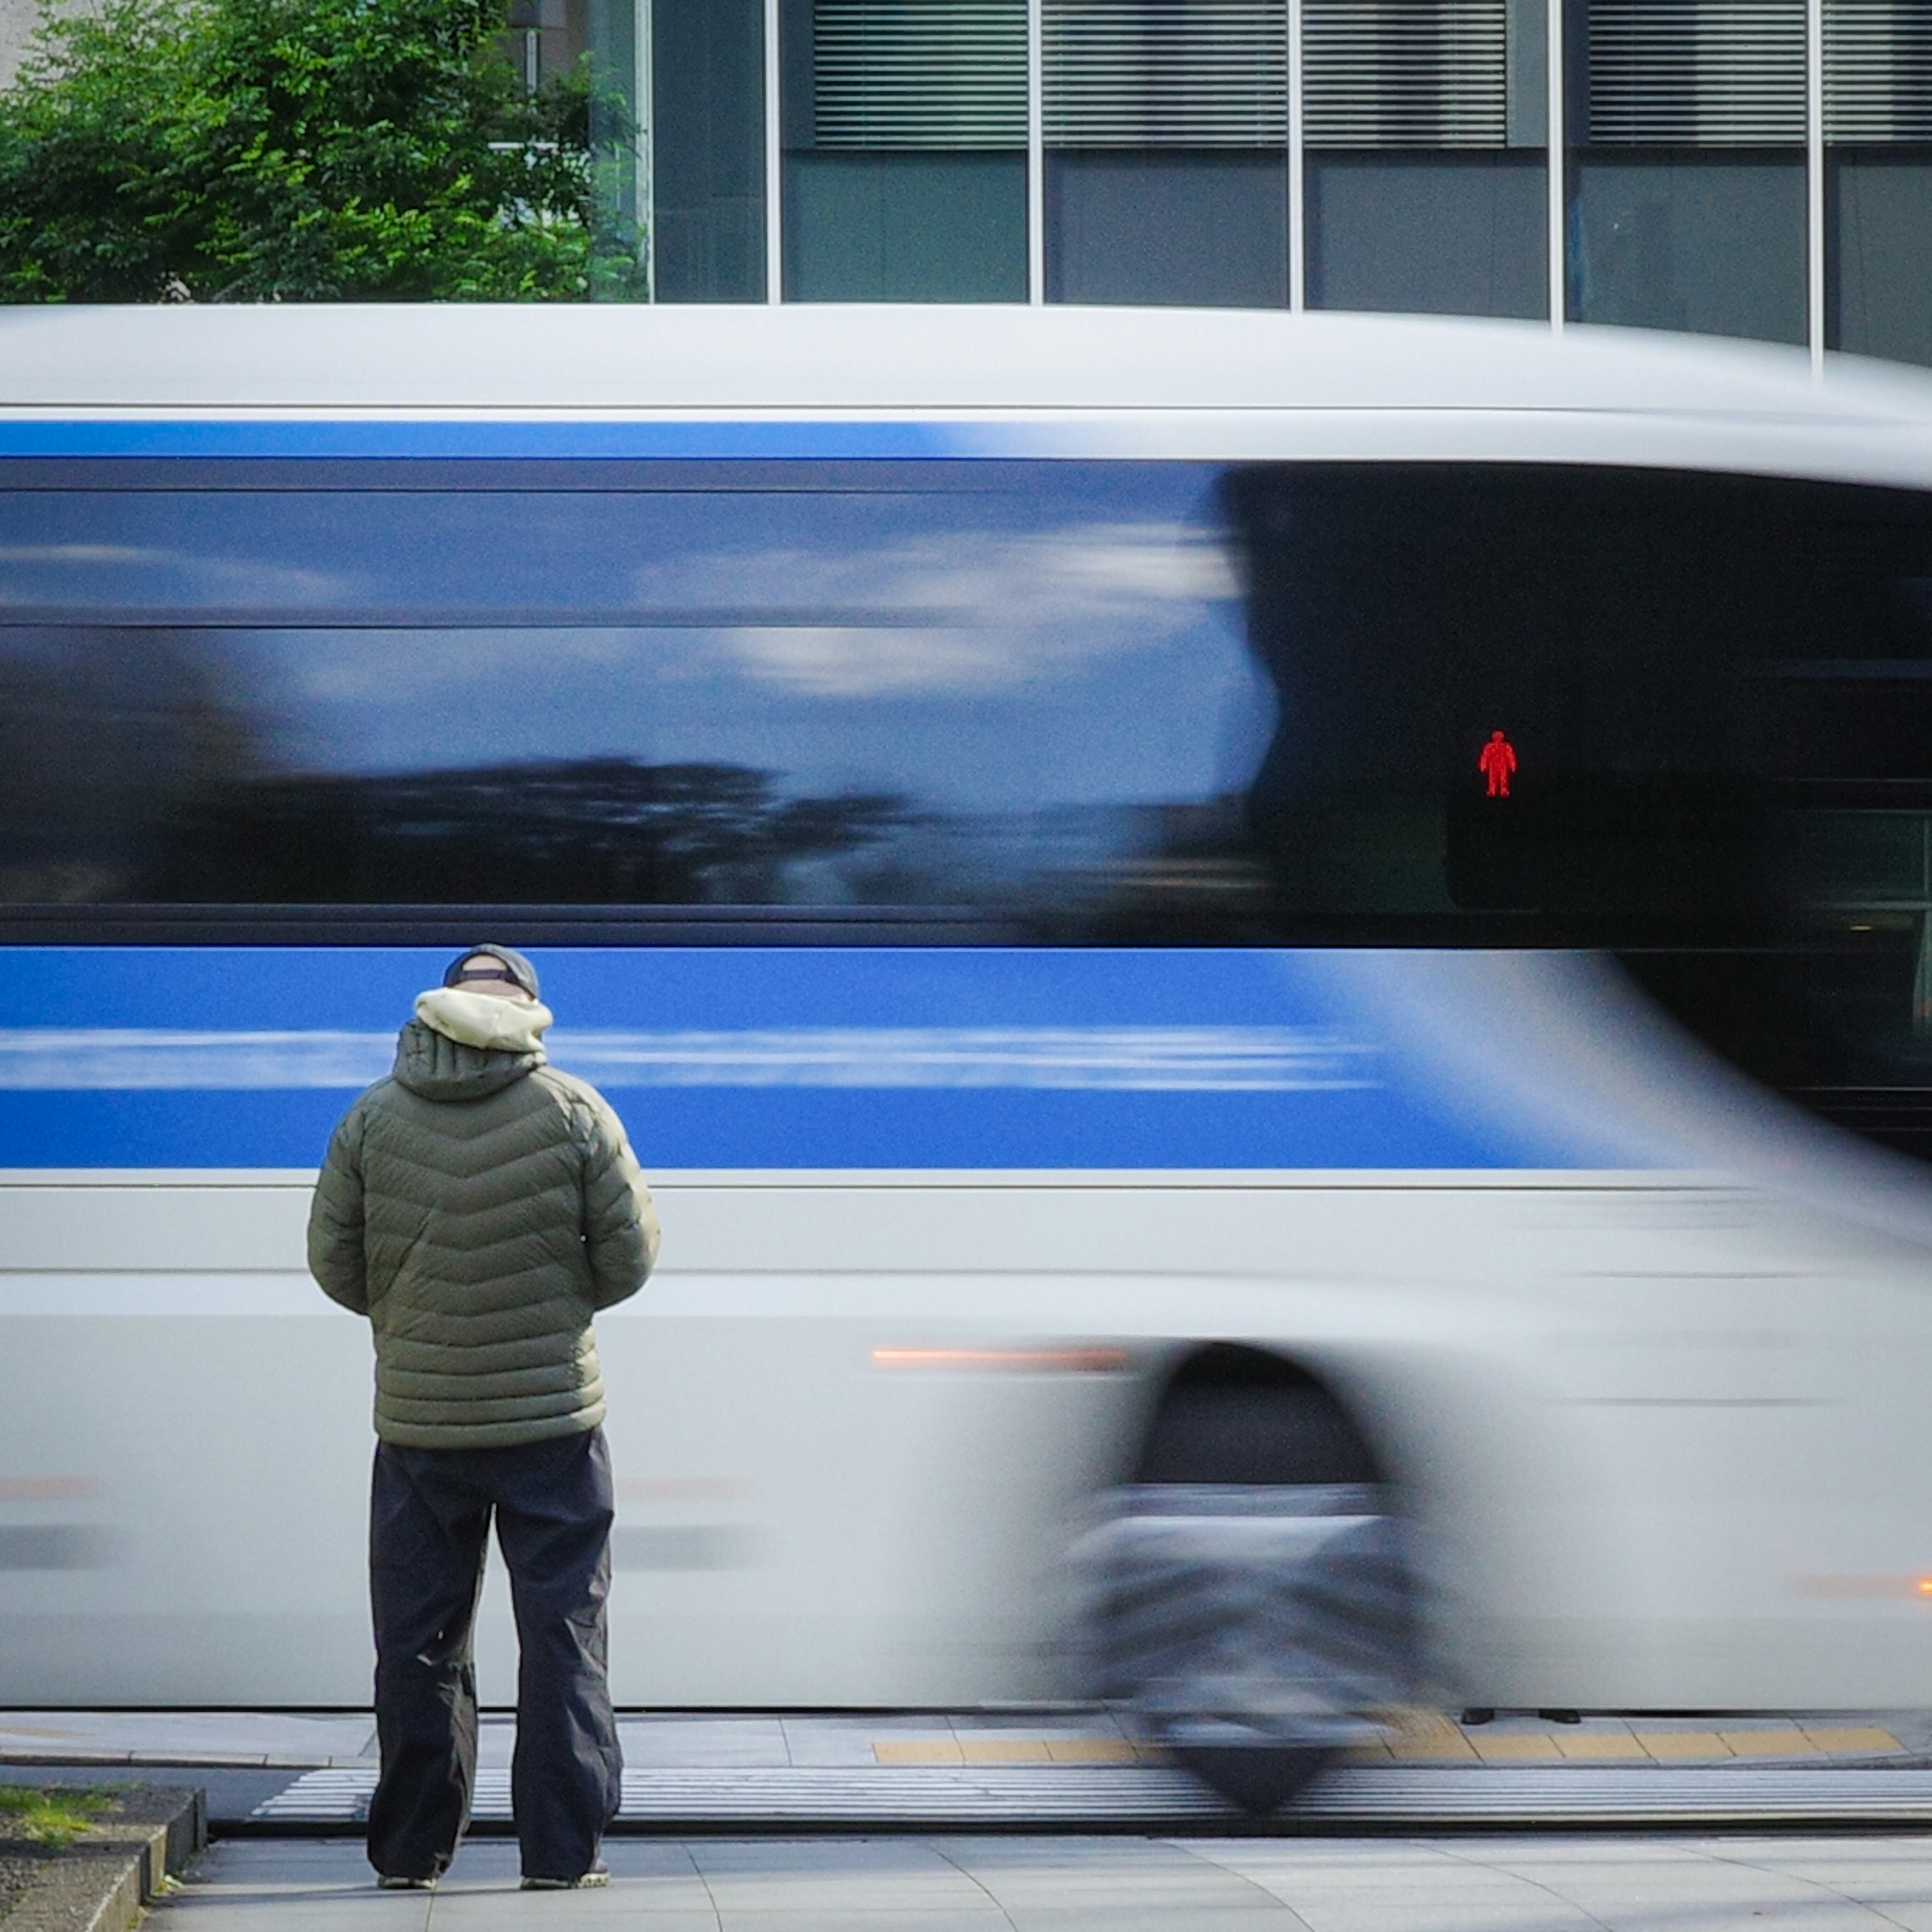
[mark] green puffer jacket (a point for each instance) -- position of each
(478, 1206)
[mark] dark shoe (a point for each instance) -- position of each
(395, 1882)
(596, 1877)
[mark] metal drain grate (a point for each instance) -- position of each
(946, 1796)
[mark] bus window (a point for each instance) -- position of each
(1717, 694)
(1033, 700)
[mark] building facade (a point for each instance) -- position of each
(18, 19)
(1754, 168)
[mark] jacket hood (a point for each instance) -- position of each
(482, 1019)
(436, 1060)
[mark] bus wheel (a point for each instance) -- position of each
(1259, 1778)
(1252, 1601)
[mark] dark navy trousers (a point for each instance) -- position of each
(429, 1525)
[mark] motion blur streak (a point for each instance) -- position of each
(1176, 1059)
(1854, 1587)
(45, 1488)
(1050, 1361)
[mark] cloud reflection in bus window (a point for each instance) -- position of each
(932, 695)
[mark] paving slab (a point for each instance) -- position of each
(231, 1737)
(726, 1741)
(990, 1884)
(831, 1742)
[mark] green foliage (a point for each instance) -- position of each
(50, 1818)
(301, 150)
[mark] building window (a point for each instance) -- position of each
(1687, 207)
(707, 141)
(1878, 177)
(1166, 135)
(546, 38)
(905, 124)
(1425, 128)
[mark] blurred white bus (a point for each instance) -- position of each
(994, 797)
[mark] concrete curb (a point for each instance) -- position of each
(101, 1883)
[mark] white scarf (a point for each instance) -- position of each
(483, 1020)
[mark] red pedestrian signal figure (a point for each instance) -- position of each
(1497, 761)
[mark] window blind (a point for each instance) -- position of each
(1696, 73)
(932, 74)
(1878, 71)
(1166, 73)
(1405, 74)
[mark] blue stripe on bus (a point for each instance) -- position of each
(505, 437)
(914, 1057)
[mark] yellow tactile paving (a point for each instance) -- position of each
(1868, 1740)
(1683, 1743)
(1514, 1746)
(1600, 1744)
(1767, 1744)
(1424, 1737)
(909, 1750)
(1430, 1737)
(1091, 1751)
(1010, 1750)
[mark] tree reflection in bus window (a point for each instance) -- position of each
(1017, 696)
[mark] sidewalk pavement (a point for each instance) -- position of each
(982, 1884)
(295, 1741)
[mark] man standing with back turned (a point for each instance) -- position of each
(479, 1207)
